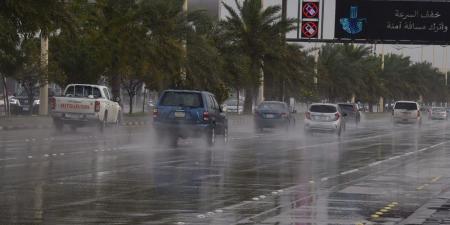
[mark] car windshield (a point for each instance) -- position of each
(81, 91)
(346, 107)
(233, 103)
(184, 99)
(438, 110)
(323, 109)
(272, 106)
(406, 105)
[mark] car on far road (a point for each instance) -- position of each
(186, 114)
(439, 113)
(22, 104)
(406, 112)
(231, 106)
(325, 118)
(273, 114)
(352, 111)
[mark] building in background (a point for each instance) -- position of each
(212, 6)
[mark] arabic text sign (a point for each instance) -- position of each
(393, 20)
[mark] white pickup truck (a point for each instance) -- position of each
(85, 105)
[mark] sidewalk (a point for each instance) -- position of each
(45, 122)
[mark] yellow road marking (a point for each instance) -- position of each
(384, 210)
(379, 213)
(420, 187)
(436, 179)
(375, 216)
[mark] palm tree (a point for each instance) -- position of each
(254, 31)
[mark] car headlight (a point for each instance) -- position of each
(36, 102)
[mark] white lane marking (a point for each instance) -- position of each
(375, 163)
(395, 157)
(6, 159)
(349, 171)
(54, 154)
(180, 223)
(210, 213)
(262, 196)
(255, 199)
(324, 179)
(30, 157)
(201, 216)
(218, 211)
(46, 155)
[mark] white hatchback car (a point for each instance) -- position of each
(324, 117)
(406, 112)
(438, 113)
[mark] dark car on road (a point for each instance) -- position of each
(273, 114)
(186, 113)
(22, 104)
(352, 111)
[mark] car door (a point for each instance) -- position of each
(108, 106)
(220, 118)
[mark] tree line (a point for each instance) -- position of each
(128, 43)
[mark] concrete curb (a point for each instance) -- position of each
(50, 126)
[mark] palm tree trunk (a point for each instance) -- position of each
(5, 89)
(248, 103)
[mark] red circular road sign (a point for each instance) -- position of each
(310, 9)
(310, 29)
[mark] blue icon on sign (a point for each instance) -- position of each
(353, 25)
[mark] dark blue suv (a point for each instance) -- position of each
(184, 114)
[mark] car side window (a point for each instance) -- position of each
(70, 91)
(216, 105)
(210, 103)
(96, 93)
(105, 90)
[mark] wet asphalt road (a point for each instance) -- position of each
(373, 174)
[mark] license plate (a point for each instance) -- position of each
(180, 114)
(270, 116)
(71, 115)
(26, 108)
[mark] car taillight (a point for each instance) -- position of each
(205, 116)
(308, 115)
(337, 116)
(97, 106)
(284, 115)
(52, 103)
(155, 113)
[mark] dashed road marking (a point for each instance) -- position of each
(436, 179)
(349, 171)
